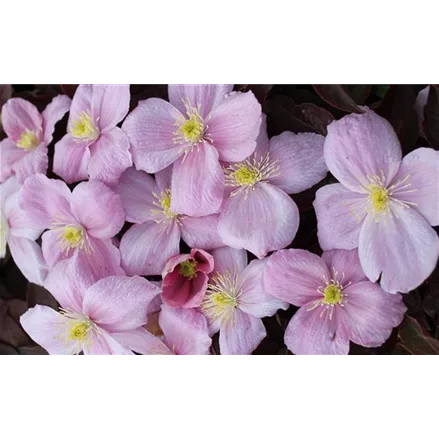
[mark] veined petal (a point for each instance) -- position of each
(229, 259)
(81, 102)
(34, 162)
(346, 263)
(163, 178)
(141, 341)
(103, 343)
(201, 232)
(52, 114)
(10, 155)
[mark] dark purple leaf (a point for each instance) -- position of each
(37, 295)
(315, 117)
(431, 117)
(338, 97)
(415, 339)
(359, 93)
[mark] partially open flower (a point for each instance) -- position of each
(185, 279)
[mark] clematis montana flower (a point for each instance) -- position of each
(201, 125)
(185, 279)
(337, 302)
(84, 221)
(155, 236)
(383, 205)
(236, 301)
(15, 232)
(257, 213)
(183, 332)
(95, 146)
(24, 152)
(96, 317)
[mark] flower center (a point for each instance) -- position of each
(247, 174)
(163, 203)
(188, 269)
(379, 197)
(71, 237)
(191, 129)
(79, 330)
(28, 140)
(332, 294)
(84, 128)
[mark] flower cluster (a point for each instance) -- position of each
(135, 189)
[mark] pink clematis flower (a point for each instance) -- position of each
(24, 152)
(185, 279)
(84, 221)
(184, 332)
(236, 301)
(383, 205)
(337, 302)
(257, 213)
(155, 236)
(96, 317)
(201, 125)
(95, 146)
(15, 232)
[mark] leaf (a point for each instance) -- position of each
(416, 340)
(359, 93)
(69, 89)
(338, 97)
(259, 90)
(315, 117)
(431, 117)
(11, 332)
(37, 295)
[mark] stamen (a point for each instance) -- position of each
(164, 214)
(84, 128)
(72, 236)
(28, 140)
(188, 269)
(191, 129)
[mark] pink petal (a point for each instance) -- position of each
(419, 183)
(142, 342)
(155, 161)
(51, 245)
(185, 331)
(234, 126)
(163, 179)
(98, 208)
(53, 113)
(71, 159)
(346, 263)
(8, 188)
(201, 232)
(371, 313)
(34, 162)
(254, 298)
(19, 222)
(119, 303)
(104, 257)
(294, 276)
(109, 105)
(102, 343)
(10, 154)
(44, 325)
(46, 201)
(359, 146)
(197, 182)
(260, 221)
(242, 336)
(81, 102)
(402, 248)
(29, 259)
(68, 280)
(178, 290)
(136, 189)
(19, 116)
(229, 259)
(110, 156)
(206, 96)
(340, 213)
(313, 333)
(300, 160)
(145, 248)
(262, 141)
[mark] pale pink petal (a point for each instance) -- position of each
(294, 276)
(359, 146)
(110, 156)
(71, 159)
(46, 201)
(10, 154)
(401, 247)
(201, 232)
(163, 178)
(340, 213)
(103, 257)
(102, 343)
(300, 160)
(142, 342)
(197, 182)
(242, 336)
(34, 162)
(314, 333)
(98, 208)
(45, 327)
(109, 105)
(68, 280)
(29, 259)
(19, 116)
(417, 182)
(154, 161)
(234, 126)
(206, 96)
(263, 220)
(185, 331)
(262, 141)
(53, 251)
(253, 297)
(8, 188)
(19, 222)
(52, 114)
(119, 303)
(346, 263)
(228, 259)
(371, 313)
(145, 248)
(81, 102)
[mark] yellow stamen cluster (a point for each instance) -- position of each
(28, 140)
(378, 197)
(192, 128)
(164, 212)
(188, 269)
(72, 237)
(332, 294)
(84, 128)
